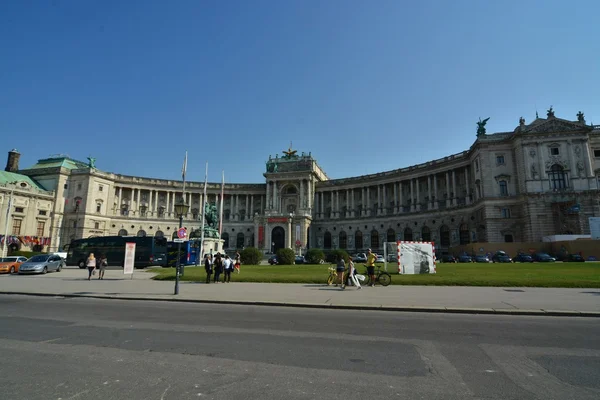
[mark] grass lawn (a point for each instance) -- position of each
(577, 275)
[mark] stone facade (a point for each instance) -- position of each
(540, 179)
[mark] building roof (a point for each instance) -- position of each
(58, 162)
(10, 177)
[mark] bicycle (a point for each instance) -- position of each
(381, 277)
(333, 277)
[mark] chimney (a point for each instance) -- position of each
(12, 165)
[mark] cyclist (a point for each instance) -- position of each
(371, 257)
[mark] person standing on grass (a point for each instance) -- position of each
(238, 261)
(371, 257)
(340, 268)
(218, 267)
(228, 267)
(352, 279)
(208, 266)
(91, 265)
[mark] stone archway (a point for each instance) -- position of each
(444, 236)
(278, 238)
(464, 234)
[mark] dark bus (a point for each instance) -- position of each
(188, 255)
(148, 250)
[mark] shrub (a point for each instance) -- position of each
(285, 256)
(333, 255)
(251, 256)
(27, 254)
(315, 256)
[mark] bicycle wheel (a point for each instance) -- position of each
(367, 280)
(384, 279)
(330, 279)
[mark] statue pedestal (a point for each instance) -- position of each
(212, 246)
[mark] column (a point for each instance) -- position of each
(309, 191)
(378, 199)
(348, 204)
(430, 202)
(368, 195)
(587, 155)
(275, 200)
(540, 150)
(168, 209)
(237, 207)
(248, 209)
(288, 235)
(454, 187)
(412, 195)
(400, 200)
(435, 192)
(447, 189)
(353, 195)
(150, 203)
(468, 199)
(301, 205)
(120, 195)
(262, 205)
(384, 199)
(417, 197)
(395, 197)
(268, 196)
(322, 205)
(363, 206)
(133, 201)
(337, 204)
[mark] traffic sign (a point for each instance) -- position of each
(181, 233)
(178, 240)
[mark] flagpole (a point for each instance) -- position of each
(183, 172)
(203, 212)
(221, 205)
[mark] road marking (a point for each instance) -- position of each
(50, 340)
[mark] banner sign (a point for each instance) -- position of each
(298, 233)
(277, 219)
(261, 236)
(129, 258)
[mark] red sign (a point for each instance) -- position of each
(261, 235)
(181, 233)
(277, 219)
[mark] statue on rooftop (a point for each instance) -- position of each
(481, 126)
(580, 117)
(550, 112)
(91, 162)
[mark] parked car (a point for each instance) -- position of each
(11, 264)
(501, 257)
(393, 258)
(482, 259)
(380, 259)
(575, 258)
(360, 257)
(41, 264)
(273, 260)
(523, 258)
(465, 259)
(448, 259)
(543, 257)
(300, 260)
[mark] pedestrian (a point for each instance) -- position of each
(228, 267)
(340, 268)
(371, 257)
(208, 266)
(352, 279)
(218, 267)
(102, 264)
(91, 265)
(238, 261)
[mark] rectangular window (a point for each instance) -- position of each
(66, 186)
(503, 188)
(506, 213)
(16, 228)
(79, 186)
(597, 153)
(100, 188)
(40, 228)
(18, 209)
(476, 166)
(508, 238)
(554, 151)
(42, 212)
(499, 160)
(98, 207)
(74, 224)
(96, 225)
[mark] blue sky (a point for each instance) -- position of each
(365, 86)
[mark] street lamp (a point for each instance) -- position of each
(181, 209)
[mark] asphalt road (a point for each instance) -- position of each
(57, 348)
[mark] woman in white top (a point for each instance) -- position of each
(91, 265)
(352, 274)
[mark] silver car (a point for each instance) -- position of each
(41, 264)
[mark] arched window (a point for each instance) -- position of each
(374, 239)
(159, 234)
(426, 234)
(509, 238)
(327, 240)
(225, 237)
(408, 236)
(240, 241)
(358, 240)
(558, 177)
(464, 234)
(444, 236)
(123, 232)
(390, 235)
(481, 236)
(141, 233)
(343, 240)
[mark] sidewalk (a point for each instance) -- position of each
(488, 300)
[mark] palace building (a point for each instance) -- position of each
(540, 179)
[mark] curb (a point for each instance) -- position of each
(415, 309)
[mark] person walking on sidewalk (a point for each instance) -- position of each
(238, 261)
(91, 265)
(228, 267)
(102, 264)
(371, 257)
(218, 267)
(352, 279)
(208, 266)
(340, 268)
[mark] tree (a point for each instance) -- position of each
(251, 256)
(286, 256)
